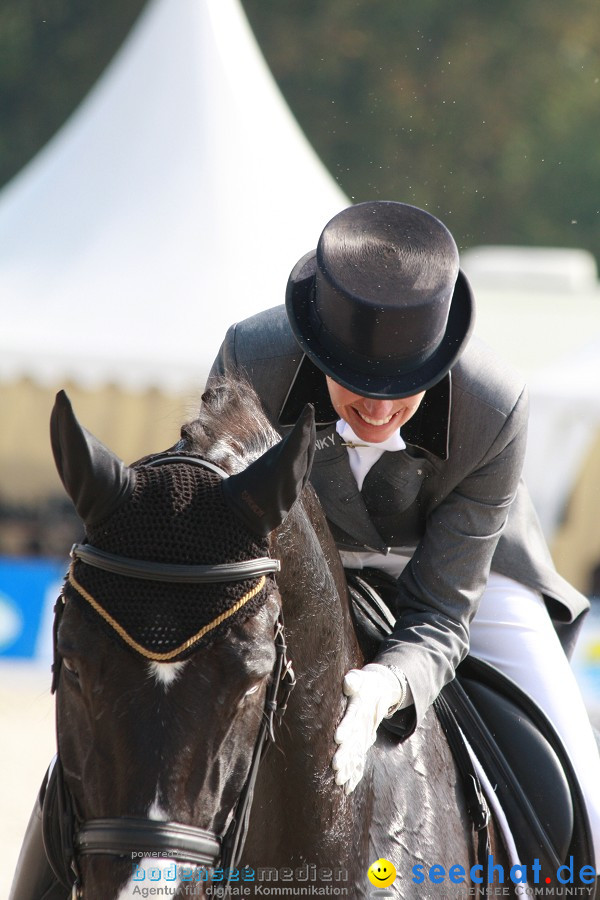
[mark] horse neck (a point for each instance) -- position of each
(316, 610)
(322, 647)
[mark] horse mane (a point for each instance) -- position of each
(231, 429)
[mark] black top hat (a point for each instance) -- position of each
(381, 305)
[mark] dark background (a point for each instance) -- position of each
(485, 113)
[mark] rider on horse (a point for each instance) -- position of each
(417, 466)
(420, 445)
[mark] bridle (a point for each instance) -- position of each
(122, 836)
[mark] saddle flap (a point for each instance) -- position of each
(531, 781)
(530, 744)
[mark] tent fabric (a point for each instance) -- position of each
(175, 201)
(576, 544)
(132, 423)
(564, 423)
(543, 317)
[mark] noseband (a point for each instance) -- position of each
(187, 843)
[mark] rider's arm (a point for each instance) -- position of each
(440, 588)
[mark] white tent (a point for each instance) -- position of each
(540, 308)
(174, 201)
(564, 423)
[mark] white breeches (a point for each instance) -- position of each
(513, 631)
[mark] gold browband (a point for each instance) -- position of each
(171, 654)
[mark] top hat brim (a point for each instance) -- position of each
(461, 318)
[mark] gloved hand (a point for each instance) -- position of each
(374, 692)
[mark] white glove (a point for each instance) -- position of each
(374, 692)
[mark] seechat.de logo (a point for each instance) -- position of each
(381, 873)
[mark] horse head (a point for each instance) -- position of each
(168, 647)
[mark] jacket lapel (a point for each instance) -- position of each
(429, 428)
(338, 492)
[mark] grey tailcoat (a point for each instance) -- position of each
(454, 499)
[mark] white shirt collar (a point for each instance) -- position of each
(362, 455)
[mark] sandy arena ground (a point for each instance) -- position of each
(26, 748)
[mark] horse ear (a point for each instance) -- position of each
(264, 493)
(95, 479)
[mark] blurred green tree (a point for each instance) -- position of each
(483, 112)
(51, 53)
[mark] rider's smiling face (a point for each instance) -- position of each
(372, 420)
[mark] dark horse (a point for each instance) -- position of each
(170, 661)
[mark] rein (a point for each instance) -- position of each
(123, 836)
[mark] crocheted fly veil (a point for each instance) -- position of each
(178, 513)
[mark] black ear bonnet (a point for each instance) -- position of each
(179, 514)
(175, 514)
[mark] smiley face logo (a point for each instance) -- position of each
(381, 873)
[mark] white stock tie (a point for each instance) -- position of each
(362, 455)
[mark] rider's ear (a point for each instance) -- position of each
(95, 479)
(264, 493)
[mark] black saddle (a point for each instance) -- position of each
(513, 739)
